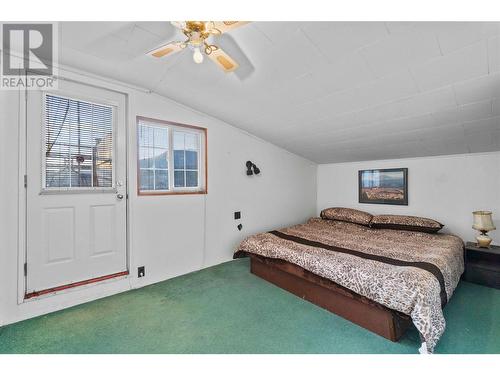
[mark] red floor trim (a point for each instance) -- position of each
(74, 285)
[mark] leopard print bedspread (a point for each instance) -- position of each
(410, 290)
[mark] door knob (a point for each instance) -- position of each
(119, 196)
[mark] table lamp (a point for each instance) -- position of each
(483, 223)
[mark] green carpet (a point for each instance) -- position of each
(225, 309)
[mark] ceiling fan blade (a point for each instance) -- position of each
(167, 49)
(181, 25)
(223, 60)
(230, 46)
(225, 26)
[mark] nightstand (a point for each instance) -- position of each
(482, 266)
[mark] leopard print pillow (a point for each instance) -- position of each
(401, 222)
(347, 214)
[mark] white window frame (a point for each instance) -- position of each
(202, 157)
(89, 189)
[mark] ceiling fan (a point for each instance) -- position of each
(199, 36)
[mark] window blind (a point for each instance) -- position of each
(78, 143)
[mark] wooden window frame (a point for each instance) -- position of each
(204, 153)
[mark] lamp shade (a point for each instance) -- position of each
(483, 221)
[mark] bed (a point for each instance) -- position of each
(381, 279)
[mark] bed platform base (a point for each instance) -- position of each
(332, 297)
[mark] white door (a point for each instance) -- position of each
(76, 190)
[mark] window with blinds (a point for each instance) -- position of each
(171, 158)
(78, 144)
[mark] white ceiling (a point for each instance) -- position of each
(329, 91)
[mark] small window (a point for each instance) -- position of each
(186, 155)
(78, 144)
(171, 158)
(153, 157)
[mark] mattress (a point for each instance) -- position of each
(414, 273)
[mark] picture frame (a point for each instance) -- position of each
(383, 186)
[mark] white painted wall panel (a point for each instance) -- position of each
(169, 235)
(445, 188)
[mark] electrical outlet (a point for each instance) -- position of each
(237, 215)
(141, 272)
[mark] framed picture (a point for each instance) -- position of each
(383, 186)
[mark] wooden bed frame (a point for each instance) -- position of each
(331, 296)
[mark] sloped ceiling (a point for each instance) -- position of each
(329, 91)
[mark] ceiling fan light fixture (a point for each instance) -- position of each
(199, 36)
(197, 56)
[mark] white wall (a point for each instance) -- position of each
(169, 235)
(445, 188)
(282, 194)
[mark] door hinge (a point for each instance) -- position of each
(25, 181)
(25, 269)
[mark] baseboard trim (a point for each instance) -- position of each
(74, 285)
